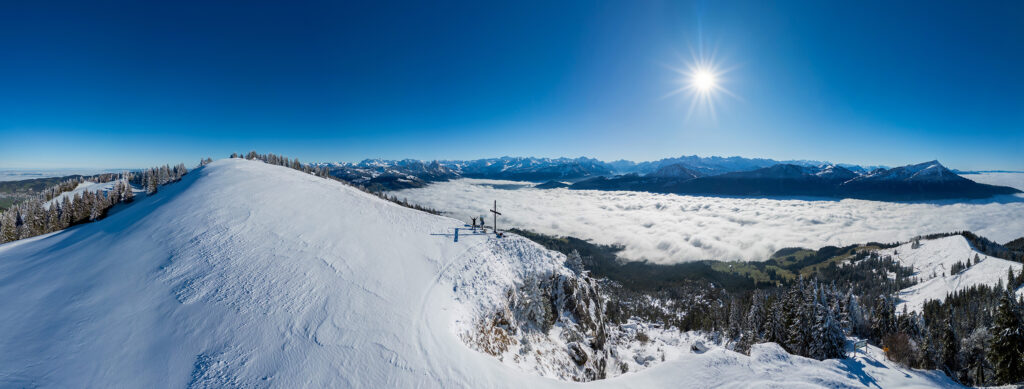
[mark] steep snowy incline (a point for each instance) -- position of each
(242, 273)
(251, 275)
(932, 262)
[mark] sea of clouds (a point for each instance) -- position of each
(671, 228)
(1014, 180)
(28, 174)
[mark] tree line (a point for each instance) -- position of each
(52, 210)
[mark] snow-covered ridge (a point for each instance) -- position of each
(245, 274)
(932, 171)
(932, 262)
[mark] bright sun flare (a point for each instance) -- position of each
(703, 80)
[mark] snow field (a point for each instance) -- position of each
(932, 262)
(251, 275)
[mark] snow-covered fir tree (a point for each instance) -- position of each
(833, 341)
(755, 322)
(9, 226)
(800, 319)
(775, 323)
(950, 349)
(574, 262)
(1007, 344)
(152, 181)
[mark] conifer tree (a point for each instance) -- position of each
(883, 318)
(22, 226)
(532, 305)
(756, 315)
(1007, 344)
(66, 215)
(9, 226)
(774, 327)
(926, 350)
(53, 218)
(114, 196)
(97, 206)
(816, 347)
(833, 340)
(35, 217)
(974, 349)
(753, 324)
(855, 315)
(77, 206)
(574, 262)
(127, 195)
(151, 184)
(950, 348)
(163, 175)
(797, 322)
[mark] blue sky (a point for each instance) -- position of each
(128, 84)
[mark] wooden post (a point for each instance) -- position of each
(496, 213)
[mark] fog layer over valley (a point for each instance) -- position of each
(1013, 180)
(671, 228)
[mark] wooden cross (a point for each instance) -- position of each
(496, 213)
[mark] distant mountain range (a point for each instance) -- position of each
(409, 173)
(924, 181)
(709, 166)
(732, 176)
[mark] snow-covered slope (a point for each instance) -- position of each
(251, 275)
(932, 262)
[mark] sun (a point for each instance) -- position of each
(703, 80)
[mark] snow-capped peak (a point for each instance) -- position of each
(931, 171)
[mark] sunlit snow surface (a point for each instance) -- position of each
(932, 262)
(250, 275)
(673, 228)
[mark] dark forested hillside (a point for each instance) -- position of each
(1016, 245)
(34, 184)
(808, 301)
(14, 192)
